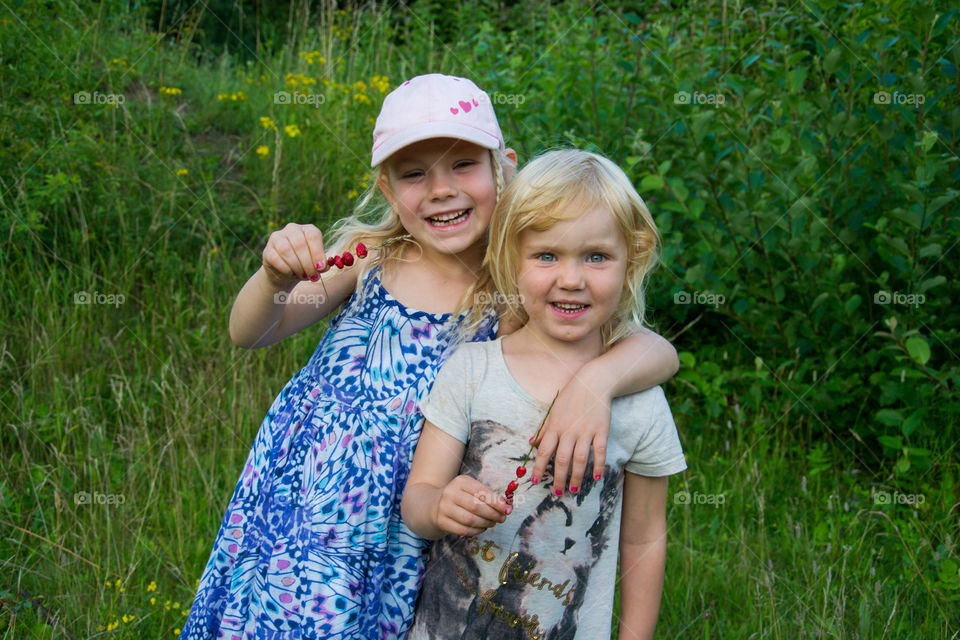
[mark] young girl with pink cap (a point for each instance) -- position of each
(312, 544)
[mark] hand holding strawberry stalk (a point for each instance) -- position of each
(522, 469)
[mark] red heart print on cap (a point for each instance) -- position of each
(454, 110)
(466, 106)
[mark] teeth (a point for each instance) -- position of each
(566, 306)
(448, 217)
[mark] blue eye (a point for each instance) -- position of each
(546, 257)
(597, 257)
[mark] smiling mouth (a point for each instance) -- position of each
(450, 219)
(567, 307)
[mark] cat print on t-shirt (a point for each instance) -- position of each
(525, 578)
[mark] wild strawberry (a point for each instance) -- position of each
(330, 261)
(512, 486)
(337, 260)
(361, 250)
(347, 259)
(521, 471)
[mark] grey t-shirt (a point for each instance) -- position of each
(550, 570)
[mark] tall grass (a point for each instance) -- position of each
(157, 209)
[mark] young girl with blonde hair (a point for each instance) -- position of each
(571, 246)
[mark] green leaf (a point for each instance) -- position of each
(929, 139)
(919, 349)
(687, 359)
(832, 60)
(851, 304)
(796, 78)
(892, 442)
(931, 251)
(930, 283)
(651, 182)
(910, 424)
(937, 203)
(889, 417)
(753, 97)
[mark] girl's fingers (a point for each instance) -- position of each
(291, 258)
(561, 464)
(599, 454)
(581, 454)
(486, 505)
(313, 240)
(548, 444)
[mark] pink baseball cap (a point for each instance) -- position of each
(434, 106)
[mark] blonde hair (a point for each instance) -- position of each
(546, 191)
(387, 228)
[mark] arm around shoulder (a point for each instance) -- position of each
(639, 361)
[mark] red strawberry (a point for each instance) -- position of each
(330, 261)
(521, 471)
(337, 260)
(347, 259)
(512, 486)
(361, 250)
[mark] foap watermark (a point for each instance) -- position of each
(699, 98)
(516, 99)
(285, 97)
(699, 297)
(95, 297)
(685, 497)
(896, 297)
(85, 97)
(885, 497)
(87, 497)
(908, 99)
(299, 297)
(484, 297)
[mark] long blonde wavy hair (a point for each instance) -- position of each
(545, 192)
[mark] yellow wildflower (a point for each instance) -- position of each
(292, 130)
(353, 194)
(153, 601)
(239, 95)
(296, 80)
(117, 583)
(312, 56)
(213, 251)
(361, 97)
(176, 605)
(152, 586)
(263, 151)
(166, 605)
(184, 612)
(182, 172)
(381, 83)
(223, 96)
(176, 632)
(170, 91)
(267, 122)
(359, 85)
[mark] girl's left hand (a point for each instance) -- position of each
(579, 420)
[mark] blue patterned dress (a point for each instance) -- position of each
(312, 544)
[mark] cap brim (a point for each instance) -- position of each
(430, 130)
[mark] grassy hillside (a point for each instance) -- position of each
(800, 161)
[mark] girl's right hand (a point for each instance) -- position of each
(468, 508)
(293, 254)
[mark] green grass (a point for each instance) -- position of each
(149, 400)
